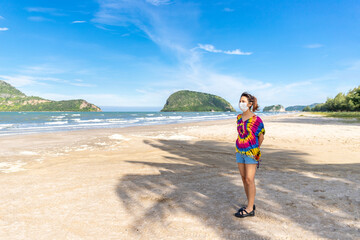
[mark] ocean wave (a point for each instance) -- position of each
(159, 118)
(86, 121)
(58, 117)
(57, 123)
(117, 121)
(91, 124)
(4, 126)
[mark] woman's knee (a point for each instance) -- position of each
(243, 178)
(249, 180)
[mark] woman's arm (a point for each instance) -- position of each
(261, 139)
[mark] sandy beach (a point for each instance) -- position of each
(180, 181)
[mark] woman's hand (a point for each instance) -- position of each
(261, 139)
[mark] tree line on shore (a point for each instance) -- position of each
(341, 102)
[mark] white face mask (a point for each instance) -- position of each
(243, 106)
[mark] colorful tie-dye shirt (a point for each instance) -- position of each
(249, 131)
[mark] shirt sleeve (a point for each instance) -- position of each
(237, 118)
(260, 129)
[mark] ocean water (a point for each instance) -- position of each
(14, 123)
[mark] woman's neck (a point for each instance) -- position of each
(248, 113)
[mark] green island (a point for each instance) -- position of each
(274, 108)
(13, 100)
(191, 101)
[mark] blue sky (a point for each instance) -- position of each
(138, 52)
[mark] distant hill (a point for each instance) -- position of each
(274, 108)
(191, 101)
(13, 100)
(300, 107)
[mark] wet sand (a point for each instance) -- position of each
(180, 181)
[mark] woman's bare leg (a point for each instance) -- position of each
(250, 170)
(242, 171)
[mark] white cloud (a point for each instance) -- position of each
(103, 99)
(228, 9)
(41, 69)
(51, 11)
(40, 9)
(281, 93)
(4, 29)
(314, 45)
(38, 19)
(41, 75)
(102, 27)
(165, 27)
(18, 80)
(83, 84)
(78, 21)
(23, 80)
(158, 2)
(211, 48)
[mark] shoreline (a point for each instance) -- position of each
(120, 127)
(206, 122)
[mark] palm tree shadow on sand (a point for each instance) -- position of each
(200, 181)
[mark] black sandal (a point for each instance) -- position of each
(240, 209)
(243, 207)
(241, 214)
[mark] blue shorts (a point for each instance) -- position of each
(242, 158)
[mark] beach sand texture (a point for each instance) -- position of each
(181, 181)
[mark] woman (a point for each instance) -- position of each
(251, 133)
